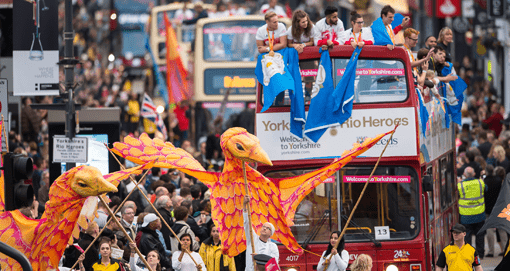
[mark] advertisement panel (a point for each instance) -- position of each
(35, 48)
(240, 81)
(273, 130)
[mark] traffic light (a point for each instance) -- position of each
(17, 168)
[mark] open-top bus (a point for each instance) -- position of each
(406, 213)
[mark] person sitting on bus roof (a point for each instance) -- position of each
(357, 35)
(303, 31)
(328, 29)
(278, 33)
(273, 6)
(336, 262)
(183, 14)
(221, 11)
(237, 9)
(200, 13)
(262, 243)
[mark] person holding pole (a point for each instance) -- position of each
(106, 263)
(153, 258)
(181, 260)
(337, 262)
(261, 243)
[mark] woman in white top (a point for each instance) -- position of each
(153, 259)
(337, 262)
(357, 35)
(182, 261)
(301, 33)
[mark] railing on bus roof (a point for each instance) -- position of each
(214, 76)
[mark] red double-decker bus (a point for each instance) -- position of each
(405, 215)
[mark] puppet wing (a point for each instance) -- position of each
(294, 189)
(145, 149)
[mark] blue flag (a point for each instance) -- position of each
(274, 75)
(458, 87)
(322, 113)
(397, 20)
(423, 113)
(297, 101)
(344, 91)
(268, 72)
(380, 33)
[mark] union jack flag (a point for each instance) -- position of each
(149, 112)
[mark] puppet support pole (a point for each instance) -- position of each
(327, 262)
(118, 208)
(154, 208)
(249, 216)
(125, 233)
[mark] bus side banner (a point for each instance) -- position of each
(273, 130)
(377, 179)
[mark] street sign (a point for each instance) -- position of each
(496, 8)
(35, 48)
(70, 151)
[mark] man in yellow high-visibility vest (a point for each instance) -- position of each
(472, 207)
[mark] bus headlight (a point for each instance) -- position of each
(392, 267)
(292, 269)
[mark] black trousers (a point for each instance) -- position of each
(472, 229)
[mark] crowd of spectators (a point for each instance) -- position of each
(483, 142)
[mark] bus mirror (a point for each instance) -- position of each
(427, 183)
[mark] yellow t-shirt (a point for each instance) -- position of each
(99, 266)
(458, 259)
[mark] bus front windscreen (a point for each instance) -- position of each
(389, 204)
(376, 80)
(231, 40)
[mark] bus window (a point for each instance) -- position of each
(231, 40)
(450, 178)
(311, 214)
(444, 184)
(393, 202)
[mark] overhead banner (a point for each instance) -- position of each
(35, 48)
(273, 130)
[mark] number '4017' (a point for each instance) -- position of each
(292, 258)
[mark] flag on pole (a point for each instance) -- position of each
(279, 73)
(458, 86)
(423, 113)
(175, 72)
(161, 87)
(500, 219)
(330, 106)
(149, 112)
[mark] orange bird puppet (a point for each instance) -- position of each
(272, 200)
(44, 240)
